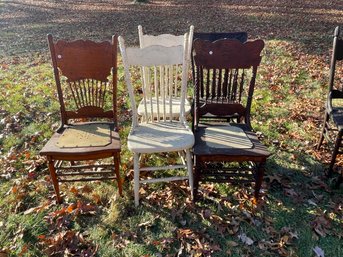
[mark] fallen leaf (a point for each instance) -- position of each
(232, 243)
(321, 225)
(318, 251)
(245, 239)
(74, 191)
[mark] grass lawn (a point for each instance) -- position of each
(300, 213)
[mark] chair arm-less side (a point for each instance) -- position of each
(334, 103)
(224, 85)
(86, 79)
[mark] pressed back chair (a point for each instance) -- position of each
(334, 103)
(158, 132)
(173, 90)
(224, 85)
(86, 79)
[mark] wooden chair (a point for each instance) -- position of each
(86, 80)
(164, 133)
(334, 103)
(173, 95)
(224, 85)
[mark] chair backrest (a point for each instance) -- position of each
(225, 76)
(214, 36)
(167, 40)
(86, 78)
(337, 55)
(158, 78)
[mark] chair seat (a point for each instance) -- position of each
(160, 137)
(51, 148)
(219, 140)
(176, 103)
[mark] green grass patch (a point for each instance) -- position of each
(299, 209)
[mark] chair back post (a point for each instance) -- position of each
(333, 58)
(250, 96)
(184, 77)
(140, 36)
(114, 78)
(57, 80)
(128, 81)
(190, 43)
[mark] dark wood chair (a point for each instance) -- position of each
(86, 80)
(334, 104)
(213, 36)
(224, 85)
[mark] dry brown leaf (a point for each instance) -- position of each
(232, 243)
(321, 225)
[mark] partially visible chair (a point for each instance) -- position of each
(334, 103)
(86, 79)
(224, 85)
(213, 36)
(158, 132)
(173, 93)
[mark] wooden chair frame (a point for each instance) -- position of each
(221, 73)
(164, 134)
(85, 72)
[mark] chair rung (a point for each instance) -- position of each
(86, 179)
(59, 173)
(234, 170)
(154, 180)
(77, 167)
(228, 180)
(241, 174)
(169, 167)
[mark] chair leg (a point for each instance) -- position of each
(136, 177)
(335, 152)
(196, 179)
(321, 138)
(53, 176)
(339, 181)
(259, 179)
(116, 170)
(190, 171)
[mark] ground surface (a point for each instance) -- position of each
(300, 214)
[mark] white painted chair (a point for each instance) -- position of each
(161, 134)
(173, 92)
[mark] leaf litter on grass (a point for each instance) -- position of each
(288, 112)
